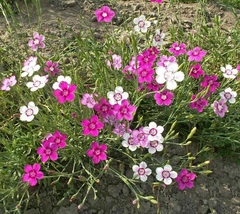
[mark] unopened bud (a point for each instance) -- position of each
(135, 201)
(193, 131)
(203, 164)
(206, 172)
(154, 201)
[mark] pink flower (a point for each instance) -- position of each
(104, 14)
(185, 179)
(177, 49)
(97, 152)
(141, 171)
(198, 104)
(131, 69)
(220, 107)
(36, 42)
(145, 73)
(104, 108)
(196, 54)
(164, 98)
(141, 137)
(154, 85)
(65, 93)
(8, 82)
(117, 61)
(157, 1)
(88, 100)
(32, 174)
(165, 60)
(58, 139)
(52, 68)
(92, 126)
(196, 71)
(146, 58)
(125, 110)
(210, 81)
(120, 129)
(238, 68)
(48, 150)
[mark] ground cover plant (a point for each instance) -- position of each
(131, 100)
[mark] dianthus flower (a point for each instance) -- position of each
(32, 173)
(36, 42)
(131, 69)
(185, 179)
(154, 132)
(157, 39)
(38, 82)
(88, 100)
(164, 98)
(154, 85)
(196, 54)
(28, 112)
(238, 68)
(220, 107)
(166, 174)
(141, 137)
(60, 79)
(199, 104)
(165, 60)
(210, 81)
(92, 126)
(117, 96)
(116, 62)
(30, 66)
(196, 71)
(58, 139)
(141, 24)
(129, 141)
(8, 82)
(146, 58)
(65, 93)
(177, 49)
(51, 68)
(125, 110)
(48, 150)
(145, 73)
(104, 14)
(141, 171)
(154, 146)
(121, 128)
(104, 108)
(97, 152)
(229, 95)
(229, 72)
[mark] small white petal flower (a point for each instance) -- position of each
(129, 142)
(141, 24)
(154, 132)
(141, 172)
(28, 112)
(30, 66)
(154, 146)
(38, 82)
(166, 174)
(61, 79)
(229, 95)
(117, 96)
(157, 39)
(229, 72)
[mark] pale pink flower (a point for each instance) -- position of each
(220, 107)
(141, 171)
(8, 82)
(37, 41)
(88, 100)
(196, 54)
(30, 66)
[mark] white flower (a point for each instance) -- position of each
(154, 132)
(60, 79)
(129, 142)
(154, 146)
(38, 82)
(229, 95)
(117, 96)
(141, 172)
(27, 113)
(158, 38)
(169, 75)
(229, 72)
(30, 66)
(166, 174)
(141, 24)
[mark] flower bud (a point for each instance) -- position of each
(193, 131)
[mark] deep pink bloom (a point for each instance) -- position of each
(92, 126)
(185, 179)
(164, 98)
(196, 54)
(198, 104)
(104, 14)
(48, 150)
(157, 1)
(32, 174)
(154, 85)
(165, 60)
(220, 107)
(8, 82)
(125, 110)
(145, 73)
(59, 139)
(153, 51)
(88, 100)
(51, 68)
(177, 49)
(146, 58)
(210, 81)
(238, 68)
(65, 93)
(36, 42)
(196, 71)
(97, 152)
(104, 108)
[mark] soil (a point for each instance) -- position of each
(218, 192)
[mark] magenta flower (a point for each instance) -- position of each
(104, 108)
(164, 98)
(48, 150)
(52, 68)
(154, 85)
(185, 179)
(92, 126)
(125, 110)
(196, 54)
(196, 71)
(65, 93)
(146, 58)
(210, 81)
(198, 104)
(58, 139)
(177, 49)
(8, 82)
(104, 14)
(36, 42)
(32, 174)
(238, 68)
(97, 152)
(220, 107)
(145, 73)
(88, 100)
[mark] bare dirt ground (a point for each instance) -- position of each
(218, 192)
